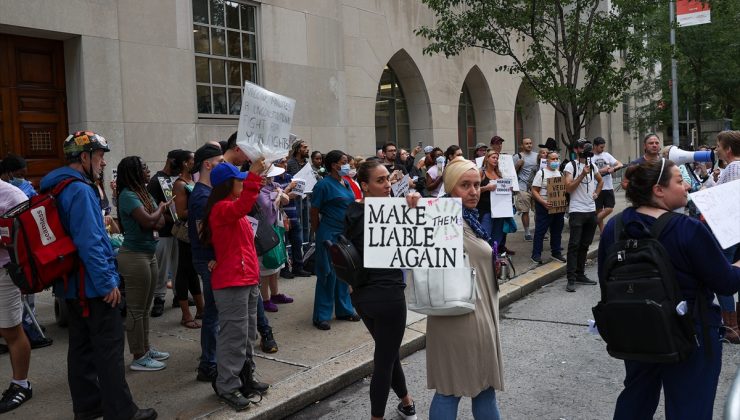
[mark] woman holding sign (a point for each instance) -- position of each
(464, 352)
(331, 197)
(380, 301)
(493, 226)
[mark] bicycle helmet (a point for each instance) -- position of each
(84, 141)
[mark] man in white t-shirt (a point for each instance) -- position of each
(606, 164)
(543, 220)
(526, 163)
(583, 183)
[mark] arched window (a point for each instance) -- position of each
(391, 113)
(466, 123)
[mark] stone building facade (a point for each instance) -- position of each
(157, 75)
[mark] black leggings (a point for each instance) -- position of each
(386, 321)
(186, 278)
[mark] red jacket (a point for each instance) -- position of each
(233, 239)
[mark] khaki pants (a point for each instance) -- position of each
(139, 271)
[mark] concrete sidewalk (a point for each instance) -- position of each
(309, 366)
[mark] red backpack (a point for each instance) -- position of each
(41, 251)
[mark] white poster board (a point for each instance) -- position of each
(427, 236)
(308, 177)
(501, 199)
(264, 123)
(506, 166)
(720, 212)
(401, 188)
(479, 161)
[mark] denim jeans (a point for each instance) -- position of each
(582, 229)
(543, 222)
(727, 303)
(444, 407)
(209, 323)
(263, 324)
(494, 228)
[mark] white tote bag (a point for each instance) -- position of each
(448, 292)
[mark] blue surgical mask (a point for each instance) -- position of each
(344, 170)
(553, 165)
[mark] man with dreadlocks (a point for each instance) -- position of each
(95, 375)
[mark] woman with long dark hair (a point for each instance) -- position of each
(380, 301)
(689, 387)
(186, 279)
(331, 197)
(140, 218)
(494, 227)
(235, 276)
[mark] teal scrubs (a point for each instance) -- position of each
(332, 199)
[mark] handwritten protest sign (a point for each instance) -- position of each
(427, 236)
(721, 212)
(401, 188)
(264, 123)
(501, 199)
(556, 195)
(504, 186)
(506, 166)
(308, 176)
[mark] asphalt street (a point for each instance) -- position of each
(553, 368)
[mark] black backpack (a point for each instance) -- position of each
(347, 262)
(637, 315)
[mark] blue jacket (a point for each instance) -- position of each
(79, 210)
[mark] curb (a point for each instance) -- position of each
(307, 387)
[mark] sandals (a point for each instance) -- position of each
(190, 323)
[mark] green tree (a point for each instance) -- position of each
(567, 51)
(708, 72)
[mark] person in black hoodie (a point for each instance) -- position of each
(380, 301)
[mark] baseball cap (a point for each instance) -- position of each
(480, 145)
(224, 172)
(496, 139)
(428, 149)
(204, 152)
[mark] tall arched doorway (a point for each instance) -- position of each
(391, 113)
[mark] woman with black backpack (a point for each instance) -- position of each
(656, 188)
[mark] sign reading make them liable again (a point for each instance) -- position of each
(264, 123)
(427, 236)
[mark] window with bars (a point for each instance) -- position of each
(626, 113)
(225, 43)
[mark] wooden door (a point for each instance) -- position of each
(33, 111)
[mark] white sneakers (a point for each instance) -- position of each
(151, 361)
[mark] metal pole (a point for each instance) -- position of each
(674, 77)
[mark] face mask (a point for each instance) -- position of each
(441, 160)
(352, 173)
(344, 170)
(554, 165)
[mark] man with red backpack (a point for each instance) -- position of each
(96, 376)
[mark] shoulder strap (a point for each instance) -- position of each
(661, 223)
(57, 189)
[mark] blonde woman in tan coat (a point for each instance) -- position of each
(464, 352)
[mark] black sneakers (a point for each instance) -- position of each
(559, 257)
(208, 374)
(268, 343)
(236, 400)
(14, 397)
(157, 308)
(407, 412)
(585, 280)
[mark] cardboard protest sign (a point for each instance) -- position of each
(401, 188)
(264, 123)
(427, 236)
(166, 183)
(556, 195)
(721, 212)
(506, 166)
(308, 177)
